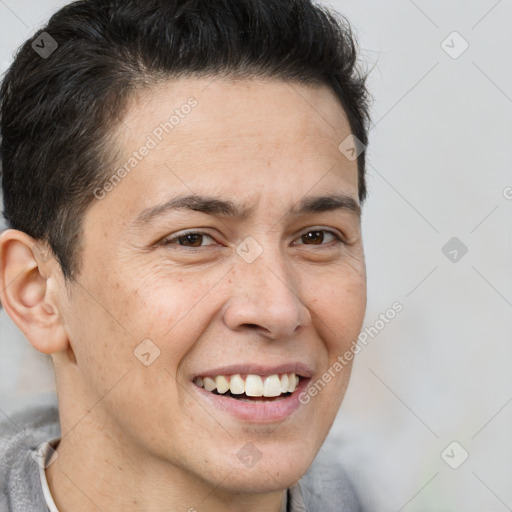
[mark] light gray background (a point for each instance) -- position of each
(439, 167)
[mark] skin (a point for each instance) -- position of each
(264, 145)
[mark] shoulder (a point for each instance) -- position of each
(21, 432)
(327, 487)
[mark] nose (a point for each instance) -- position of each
(266, 297)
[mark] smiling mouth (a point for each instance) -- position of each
(251, 388)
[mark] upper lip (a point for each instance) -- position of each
(300, 369)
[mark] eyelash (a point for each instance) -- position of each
(171, 240)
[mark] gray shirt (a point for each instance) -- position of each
(23, 437)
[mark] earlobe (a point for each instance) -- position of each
(24, 293)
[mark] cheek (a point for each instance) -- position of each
(100, 342)
(341, 308)
(172, 313)
(340, 312)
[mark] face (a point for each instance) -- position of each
(254, 279)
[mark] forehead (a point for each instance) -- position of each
(229, 114)
(244, 140)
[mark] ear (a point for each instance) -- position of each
(25, 291)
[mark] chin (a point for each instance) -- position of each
(275, 470)
(262, 479)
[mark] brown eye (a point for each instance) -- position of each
(317, 237)
(313, 237)
(192, 239)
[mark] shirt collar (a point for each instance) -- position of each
(295, 499)
(42, 455)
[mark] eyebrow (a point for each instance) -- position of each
(220, 207)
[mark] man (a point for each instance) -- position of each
(183, 184)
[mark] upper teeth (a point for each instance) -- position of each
(253, 385)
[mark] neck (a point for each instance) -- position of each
(93, 471)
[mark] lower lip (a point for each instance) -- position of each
(255, 412)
